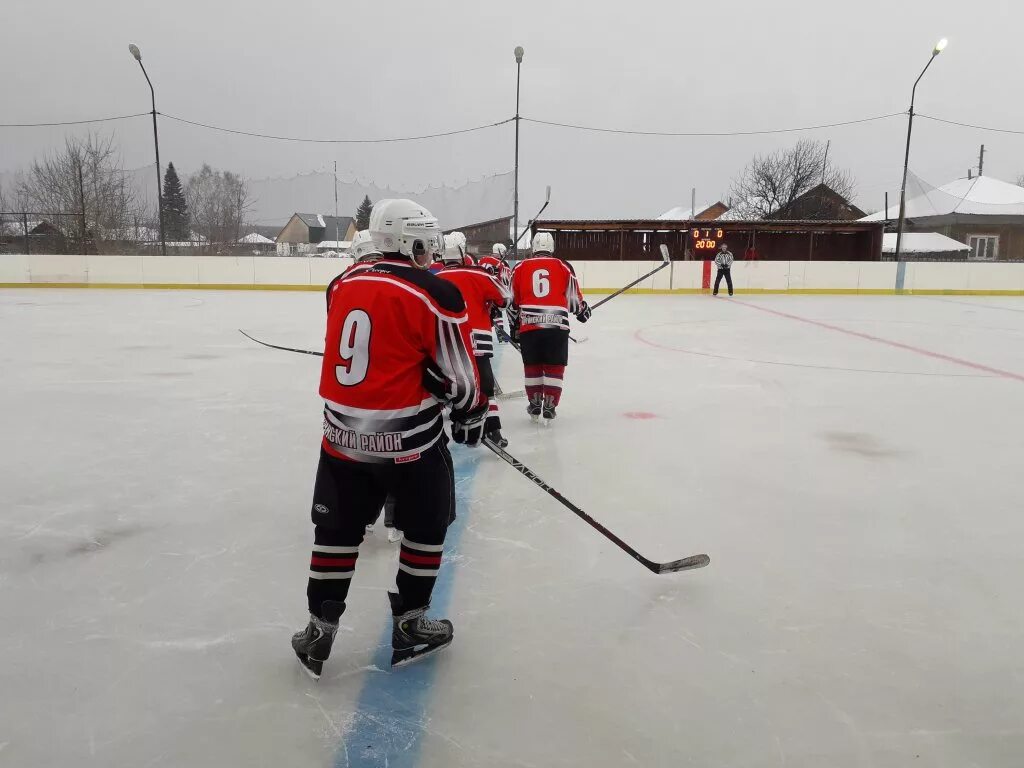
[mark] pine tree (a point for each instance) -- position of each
(363, 214)
(176, 219)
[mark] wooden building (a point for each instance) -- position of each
(819, 203)
(639, 240)
(480, 237)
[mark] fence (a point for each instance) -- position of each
(65, 234)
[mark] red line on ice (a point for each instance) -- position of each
(888, 342)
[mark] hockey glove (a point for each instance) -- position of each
(585, 312)
(468, 426)
(435, 382)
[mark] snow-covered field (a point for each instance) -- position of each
(851, 464)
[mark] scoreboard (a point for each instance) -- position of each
(706, 239)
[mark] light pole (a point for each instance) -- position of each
(939, 47)
(137, 54)
(515, 199)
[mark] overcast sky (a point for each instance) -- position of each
(396, 67)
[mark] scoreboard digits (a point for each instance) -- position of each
(707, 239)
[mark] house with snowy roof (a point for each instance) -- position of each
(703, 212)
(305, 231)
(983, 213)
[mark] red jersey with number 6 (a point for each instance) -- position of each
(481, 290)
(385, 323)
(544, 293)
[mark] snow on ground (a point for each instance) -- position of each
(851, 464)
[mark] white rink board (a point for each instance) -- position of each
(600, 277)
(860, 501)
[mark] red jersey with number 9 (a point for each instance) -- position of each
(545, 292)
(385, 323)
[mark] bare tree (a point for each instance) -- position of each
(771, 182)
(218, 202)
(85, 179)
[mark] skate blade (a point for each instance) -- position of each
(404, 661)
(304, 663)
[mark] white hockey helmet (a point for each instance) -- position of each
(543, 242)
(454, 248)
(406, 227)
(499, 250)
(363, 247)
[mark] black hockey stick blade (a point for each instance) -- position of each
(665, 261)
(685, 564)
(283, 349)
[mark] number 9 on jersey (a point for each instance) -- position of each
(354, 349)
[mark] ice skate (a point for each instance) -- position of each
(535, 407)
(313, 644)
(394, 535)
(549, 411)
(414, 635)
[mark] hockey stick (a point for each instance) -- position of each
(283, 349)
(502, 334)
(665, 261)
(547, 199)
(685, 564)
(511, 395)
(498, 394)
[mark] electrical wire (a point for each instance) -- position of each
(572, 126)
(969, 125)
(336, 141)
(712, 133)
(75, 122)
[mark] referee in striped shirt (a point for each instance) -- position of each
(723, 260)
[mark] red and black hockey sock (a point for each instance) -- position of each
(552, 382)
(534, 381)
(418, 565)
(330, 570)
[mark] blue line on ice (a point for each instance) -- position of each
(390, 715)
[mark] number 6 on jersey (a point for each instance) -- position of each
(541, 284)
(354, 348)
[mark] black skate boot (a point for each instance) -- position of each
(535, 407)
(414, 635)
(549, 410)
(313, 644)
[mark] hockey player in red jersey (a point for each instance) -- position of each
(483, 293)
(397, 347)
(496, 264)
(544, 293)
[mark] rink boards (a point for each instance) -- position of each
(303, 273)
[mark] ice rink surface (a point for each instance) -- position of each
(853, 465)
